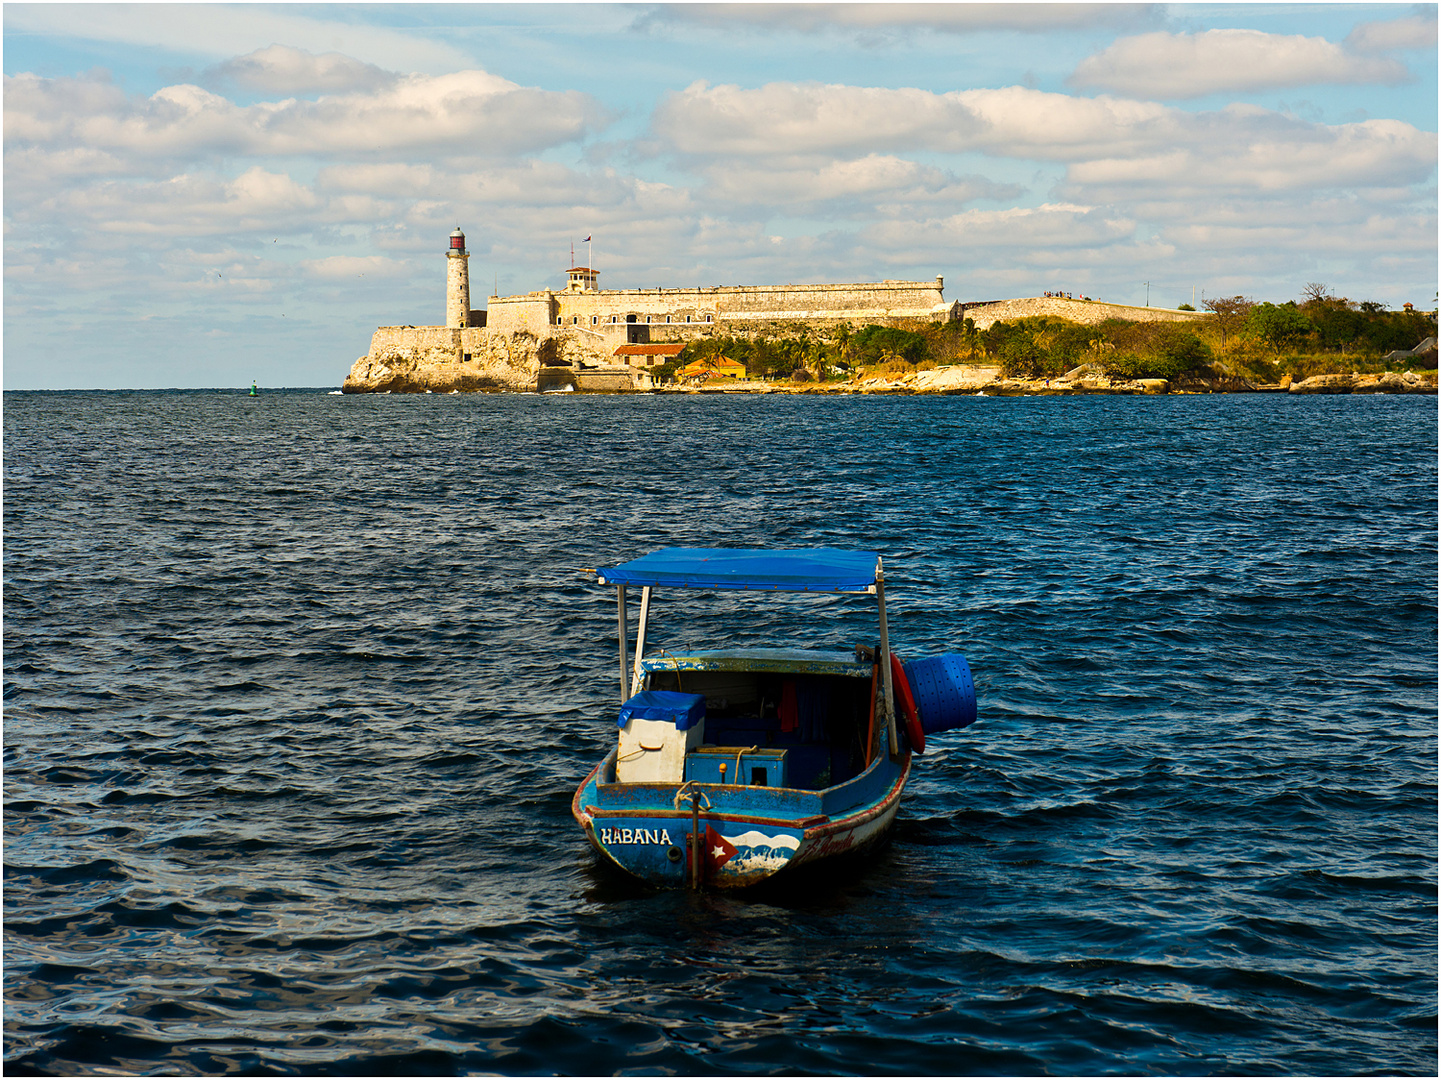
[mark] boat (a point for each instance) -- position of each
(731, 766)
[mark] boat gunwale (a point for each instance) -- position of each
(777, 661)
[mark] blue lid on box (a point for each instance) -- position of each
(682, 710)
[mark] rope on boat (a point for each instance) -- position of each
(741, 754)
(685, 791)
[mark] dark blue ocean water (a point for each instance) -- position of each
(298, 688)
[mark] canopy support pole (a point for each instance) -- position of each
(640, 638)
(887, 698)
(624, 663)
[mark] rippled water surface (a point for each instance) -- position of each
(298, 688)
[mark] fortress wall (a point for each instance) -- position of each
(886, 299)
(617, 304)
(530, 313)
(717, 304)
(427, 338)
(1085, 312)
(474, 339)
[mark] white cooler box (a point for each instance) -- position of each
(657, 729)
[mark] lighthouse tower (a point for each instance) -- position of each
(457, 281)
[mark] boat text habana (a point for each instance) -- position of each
(733, 765)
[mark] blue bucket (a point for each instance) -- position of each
(945, 696)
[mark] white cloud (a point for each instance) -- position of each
(382, 178)
(798, 119)
(464, 112)
(1051, 226)
(808, 118)
(1162, 65)
(196, 205)
(1265, 153)
(349, 267)
(855, 187)
(1416, 31)
(1019, 122)
(229, 29)
(34, 173)
(1324, 224)
(1103, 140)
(944, 18)
(281, 69)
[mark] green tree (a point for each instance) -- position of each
(1022, 355)
(1282, 326)
(1231, 313)
(996, 335)
(868, 345)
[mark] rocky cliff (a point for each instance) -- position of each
(414, 359)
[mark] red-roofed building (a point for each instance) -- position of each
(649, 355)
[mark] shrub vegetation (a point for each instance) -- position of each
(1242, 338)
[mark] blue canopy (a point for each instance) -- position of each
(804, 570)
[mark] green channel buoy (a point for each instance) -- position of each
(253, 392)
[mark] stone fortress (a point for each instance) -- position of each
(571, 336)
(591, 338)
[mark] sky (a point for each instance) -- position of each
(209, 195)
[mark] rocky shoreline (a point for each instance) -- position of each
(1091, 381)
(988, 382)
(519, 369)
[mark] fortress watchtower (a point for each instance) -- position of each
(582, 279)
(457, 282)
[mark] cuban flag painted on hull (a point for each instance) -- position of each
(718, 849)
(755, 850)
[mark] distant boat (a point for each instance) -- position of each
(733, 765)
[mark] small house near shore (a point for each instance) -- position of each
(710, 368)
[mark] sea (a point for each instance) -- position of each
(298, 688)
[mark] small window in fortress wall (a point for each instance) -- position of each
(667, 318)
(687, 318)
(647, 318)
(710, 318)
(594, 319)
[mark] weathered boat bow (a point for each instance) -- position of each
(731, 766)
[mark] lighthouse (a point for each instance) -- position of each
(457, 282)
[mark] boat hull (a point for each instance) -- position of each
(644, 830)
